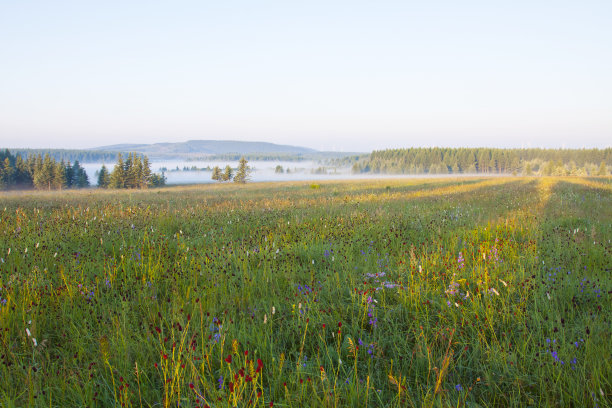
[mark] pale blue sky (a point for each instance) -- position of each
(345, 75)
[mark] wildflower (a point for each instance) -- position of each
(458, 387)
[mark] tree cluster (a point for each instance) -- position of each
(133, 172)
(43, 173)
(242, 174)
(487, 160)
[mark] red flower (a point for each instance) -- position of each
(228, 359)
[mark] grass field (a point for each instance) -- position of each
(442, 292)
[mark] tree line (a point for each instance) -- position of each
(43, 173)
(47, 173)
(437, 160)
(71, 155)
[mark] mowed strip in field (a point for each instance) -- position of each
(398, 292)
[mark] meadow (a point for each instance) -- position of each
(474, 292)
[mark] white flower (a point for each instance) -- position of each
(28, 332)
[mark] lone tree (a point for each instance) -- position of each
(216, 174)
(243, 173)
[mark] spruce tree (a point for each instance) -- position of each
(117, 178)
(103, 177)
(244, 171)
(146, 173)
(216, 174)
(68, 174)
(602, 169)
(59, 175)
(43, 173)
(228, 173)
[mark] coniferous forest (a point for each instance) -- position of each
(47, 173)
(437, 160)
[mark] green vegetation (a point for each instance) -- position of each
(132, 173)
(546, 162)
(242, 172)
(436, 293)
(42, 173)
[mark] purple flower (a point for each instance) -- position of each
(458, 387)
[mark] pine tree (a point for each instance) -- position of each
(59, 175)
(158, 180)
(81, 180)
(43, 173)
(134, 172)
(117, 178)
(103, 177)
(6, 174)
(216, 174)
(68, 174)
(76, 174)
(602, 169)
(243, 173)
(228, 173)
(146, 173)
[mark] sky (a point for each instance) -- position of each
(330, 75)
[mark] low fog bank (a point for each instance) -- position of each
(180, 172)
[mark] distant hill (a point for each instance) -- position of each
(205, 147)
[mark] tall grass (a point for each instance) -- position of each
(446, 292)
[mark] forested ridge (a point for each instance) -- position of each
(437, 160)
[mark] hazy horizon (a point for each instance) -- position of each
(331, 76)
